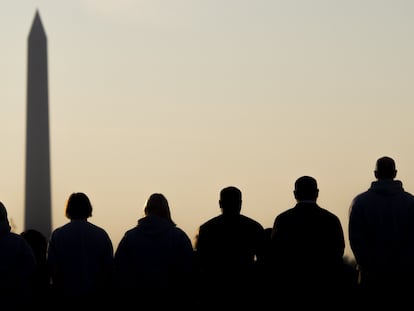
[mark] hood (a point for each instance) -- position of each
(387, 187)
(154, 225)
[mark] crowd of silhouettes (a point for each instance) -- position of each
(232, 262)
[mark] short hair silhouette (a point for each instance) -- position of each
(306, 188)
(230, 200)
(385, 168)
(78, 206)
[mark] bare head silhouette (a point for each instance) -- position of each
(230, 200)
(385, 168)
(306, 188)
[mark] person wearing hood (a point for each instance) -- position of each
(381, 236)
(153, 263)
(17, 266)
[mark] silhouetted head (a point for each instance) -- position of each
(3, 212)
(157, 204)
(78, 206)
(385, 168)
(230, 200)
(306, 188)
(38, 242)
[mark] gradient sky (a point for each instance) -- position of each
(185, 97)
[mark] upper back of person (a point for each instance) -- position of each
(381, 221)
(230, 241)
(308, 233)
(80, 253)
(150, 254)
(17, 265)
(16, 255)
(385, 195)
(78, 238)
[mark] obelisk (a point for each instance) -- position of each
(38, 211)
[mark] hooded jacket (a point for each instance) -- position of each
(154, 256)
(381, 229)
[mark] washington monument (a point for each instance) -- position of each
(37, 184)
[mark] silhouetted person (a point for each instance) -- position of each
(154, 262)
(228, 250)
(381, 235)
(17, 267)
(80, 256)
(41, 279)
(308, 247)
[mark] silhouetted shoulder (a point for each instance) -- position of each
(179, 231)
(250, 221)
(17, 238)
(98, 229)
(307, 209)
(328, 213)
(213, 221)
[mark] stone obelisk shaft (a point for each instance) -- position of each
(37, 185)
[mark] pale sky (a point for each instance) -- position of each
(185, 97)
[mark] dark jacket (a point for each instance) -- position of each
(381, 232)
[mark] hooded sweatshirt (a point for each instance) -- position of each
(381, 229)
(154, 256)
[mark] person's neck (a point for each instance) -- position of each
(307, 201)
